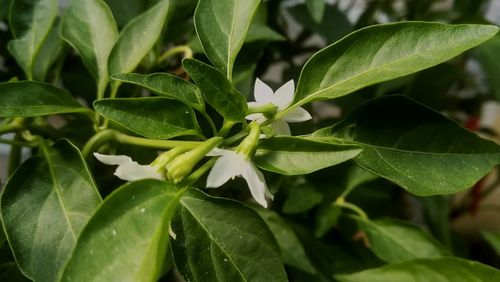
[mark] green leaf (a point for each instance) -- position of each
(301, 199)
(31, 23)
(127, 238)
(493, 239)
(489, 58)
(90, 28)
(44, 207)
(151, 117)
(30, 99)
(137, 38)
(316, 8)
(383, 52)
(259, 30)
(167, 85)
(442, 269)
(217, 90)
(49, 53)
(292, 250)
(295, 155)
(325, 219)
(415, 147)
(397, 241)
(125, 13)
(221, 27)
(222, 240)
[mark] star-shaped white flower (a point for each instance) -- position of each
(282, 98)
(232, 164)
(128, 169)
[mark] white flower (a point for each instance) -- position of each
(128, 169)
(232, 164)
(282, 98)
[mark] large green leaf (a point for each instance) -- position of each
(383, 52)
(90, 28)
(127, 238)
(222, 240)
(222, 27)
(292, 250)
(415, 147)
(137, 38)
(44, 207)
(152, 117)
(217, 90)
(29, 99)
(31, 23)
(397, 241)
(295, 155)
(167, 85)
(442, 269)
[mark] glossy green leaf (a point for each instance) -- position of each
(31, 23)
(489, 58)
(49, 53)
(152, 117)
(493, 239)
(326, 218)
(53, 196)
(127, 238)
(222, 240)
(442, 269)
(217, 90)
(383, 52)
(301, 199)
(221, 27)
(29, 99)
(316, 8)
(125, 13)
(397, 241)
(259, 30)
(167, 85)
(137, 38)
(90, 28)
(292, 250)
(415, 147)
(295, 155)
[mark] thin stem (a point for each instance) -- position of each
(193, 178)
(181, 49)
(235, 137)
(19, 143)
(343, 204)
(12, 126)
(210, 121)
(268, 110)
(160, 144)
(97, 140)
(226, 127)
(114, 91)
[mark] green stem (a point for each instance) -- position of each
(19, 143)
(236, 137)
(114, 91)
(159, 144)
(268, 110)
(181, 49)
(343, 204)
(226, 127)
(96, 141)
(193, 178)
(12, 126)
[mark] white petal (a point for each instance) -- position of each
(283, 97)
(256, 116)
(256, 183)
(215, 152)
(297, 115)
(262, 93)
(128, 169)
(280, 127)
(226, 167)
(113, 159)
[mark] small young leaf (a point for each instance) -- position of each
(167, 85)
(127, 238)
(222, 27)
(442, 269)
(53, 197)
(217, 90)
(301, 199)
(291, 249)
(326, 218)
(137, 38)
(383, 52)
(30, 99)
(316, 9)
(152, 117)
(222, 240)
(294, 155)
(31, 23)
(397, 241)
(90, 28)
(414, 146)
